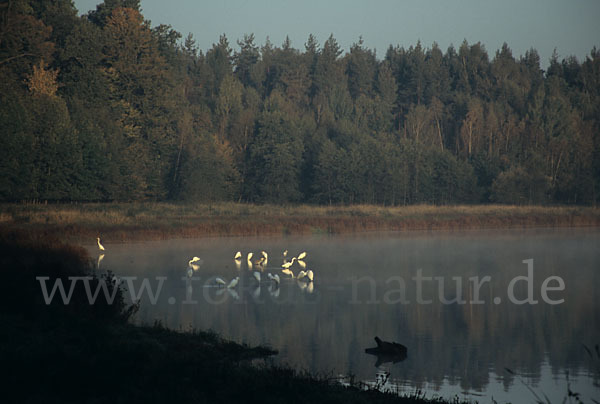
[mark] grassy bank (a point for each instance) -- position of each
(130, 221)
(82, 353)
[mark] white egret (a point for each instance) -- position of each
(288, 264)
(261, 261)
(285, 253)
(238, 255)
(302, 264)
(257, 276)
(100, 246)
(310, 275)
(301, 275)
(249, 256)
(195, 259)
(195, 267)
(265, 256)
(220, 281)
(302, 255)
(288, 272)
(233, 282)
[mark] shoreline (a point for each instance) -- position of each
(97, 355)
(156, 221)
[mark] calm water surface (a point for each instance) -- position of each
(364, 286)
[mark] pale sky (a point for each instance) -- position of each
(570, 26)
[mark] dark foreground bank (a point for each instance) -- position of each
(82, 353)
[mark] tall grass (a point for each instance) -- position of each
(124, 221)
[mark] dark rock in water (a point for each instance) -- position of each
(387, 352)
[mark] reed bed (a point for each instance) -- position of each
(130, 221)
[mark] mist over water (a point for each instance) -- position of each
(364, 287)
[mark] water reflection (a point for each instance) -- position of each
(387, 352)
(100, 258)
(324, 326)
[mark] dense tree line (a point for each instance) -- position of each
(106, 107)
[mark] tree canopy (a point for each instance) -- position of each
(105, 107)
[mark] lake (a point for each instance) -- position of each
(472, 328)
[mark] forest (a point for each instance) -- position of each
(107, 107)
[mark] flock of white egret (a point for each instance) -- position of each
(257, 265)
(262, 263)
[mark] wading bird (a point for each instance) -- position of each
(238, 255)
(301, 275)
(265, 256)
(219, 281)
(288, 272)
(310, 275)
(195, 259)
(249, 257)
(288, 264)
(285, 253)
(233, 282)
(100, 246)
(302, 264)
(302, 255)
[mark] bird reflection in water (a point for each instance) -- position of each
(310, 288)
(387, 352)
(230, 291)
(233, 294)
(274, 289)
(100, 258)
